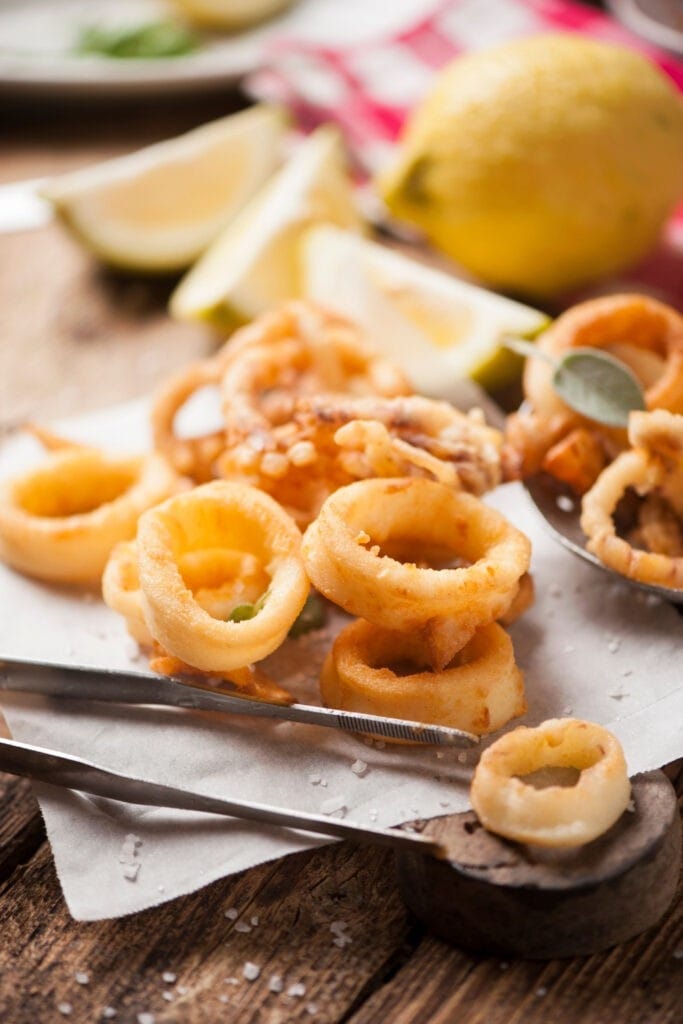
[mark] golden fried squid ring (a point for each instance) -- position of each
(298, 350)
(121, 591)
(190, 456)
(379, 672)
(554, 815)
(331, 441)
(219, 515)
(362, 550)
(653, 467)
(645, 334)
(59, 522)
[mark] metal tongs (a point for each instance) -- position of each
(80, 682)
(63, 770)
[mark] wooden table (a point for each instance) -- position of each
(73, 337)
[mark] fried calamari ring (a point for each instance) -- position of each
(655, 467)
(298, 350)
(376, 671)
(362, 552)
(59, 522)
(331, 441)
(219, 515)
(190, 456)
(121, 591)
(555, 815)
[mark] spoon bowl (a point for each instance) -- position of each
(561, 511)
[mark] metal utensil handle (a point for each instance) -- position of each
(63, 770)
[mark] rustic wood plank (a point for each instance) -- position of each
(21, 825)
(296, 900)
(77, 337)
(638, 982)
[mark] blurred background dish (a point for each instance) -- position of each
(658, 21)
(50, 47)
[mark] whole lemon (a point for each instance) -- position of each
(542, 164)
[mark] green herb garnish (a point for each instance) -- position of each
(591, 382)
(242, 612)
(154, 39)
(313, 615)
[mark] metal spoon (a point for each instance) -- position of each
(561, 511)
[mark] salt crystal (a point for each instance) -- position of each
(254, 920)
(168, 996)
(359, 767)
(276, 984)
(169, 977)
(566, 711)
(631, 806)
(323, 783)
(82, 977)
(223, 999)
(541, 991)
(338, 926)
(242, 927)
(131, 649)
(231, 981)
(311, 1009)
(130, 872)
(614, 645)
(181, 990)
(65, 1009)
(314, 780)
(335, 805)
(232, 914)
(251, 971)
(340, 941)
(373, 814)
(297, 990)
(564, 503)
(145, 1018)
(160, 888)
(444, 803)
(109, 1013)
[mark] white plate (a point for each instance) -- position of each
(37, 40)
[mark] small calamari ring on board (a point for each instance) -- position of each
(363, 550)
(228, 516)
(376, 671)
(507, 803)
(60, 521)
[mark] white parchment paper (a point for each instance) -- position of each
(589, 647)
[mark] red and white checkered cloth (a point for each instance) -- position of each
(369, 87)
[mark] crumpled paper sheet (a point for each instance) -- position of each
(590, 647)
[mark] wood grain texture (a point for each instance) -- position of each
(21, 825)
(295, 899)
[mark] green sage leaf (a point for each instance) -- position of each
(598, 386)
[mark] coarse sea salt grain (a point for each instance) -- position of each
(168, 996)
(254, 920)
(169, 977)
(145, 1018)
(232, 914)
(335, 805)
(130, 872)
(243, 927)
(109, 1013)
(359, 767)
(311, 1009)
(297, 990)
(65, 1009)
(82, 977)
(251, 971)
(223, 998)
(276, 984)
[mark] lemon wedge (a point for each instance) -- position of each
(438, 328)
(228, 14)
(157, 209)
(255, 263)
